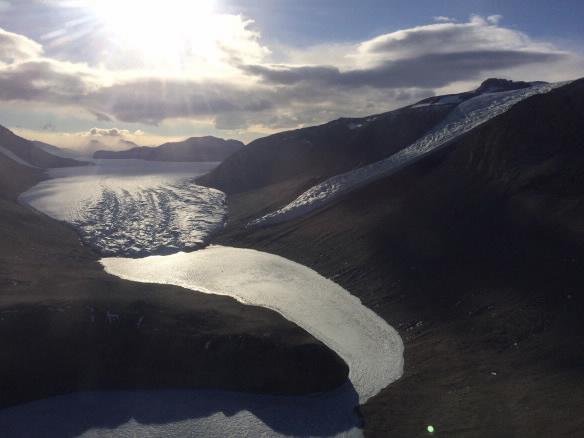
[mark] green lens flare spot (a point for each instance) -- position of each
(430, 429)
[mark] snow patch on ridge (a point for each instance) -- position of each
(464, 117)
(372, 348)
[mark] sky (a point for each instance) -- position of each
(100, 72)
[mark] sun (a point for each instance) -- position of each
(166, 32)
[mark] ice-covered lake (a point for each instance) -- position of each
(372, 348)
(183, 414)
(136, 208)
(133, 207)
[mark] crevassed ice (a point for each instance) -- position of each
(464, 117)
(133, 208)
(371, 347)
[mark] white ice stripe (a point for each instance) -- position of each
(463, 118)
(372, 348)
(15, 157)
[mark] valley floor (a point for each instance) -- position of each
(489, 311)
(67, 326)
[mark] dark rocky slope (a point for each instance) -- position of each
(65, 325)
(193, 149)
(476, 255)
(301, 158)
(310, 155)
(58, 151)
(32, 153)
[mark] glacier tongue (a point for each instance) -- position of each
(464, 117)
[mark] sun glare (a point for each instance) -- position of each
(162, 31)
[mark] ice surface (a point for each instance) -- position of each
(15, 157)
(133, 207)
(184, 414)
(464, 117)
(444, 100)
(372, 348)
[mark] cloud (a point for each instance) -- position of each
(231, 121)
(49, 127)
(474, 35)
(494, 19)
(361, 78)
(430, 56)
(112, 132)
(15, 47)
(408, 72)
(443, 19)
(45, 80)
(101, 117)
(153, 100)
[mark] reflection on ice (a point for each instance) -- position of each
(372, 348)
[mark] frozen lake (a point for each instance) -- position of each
(372, 348)
(166, 414)
(133, 207)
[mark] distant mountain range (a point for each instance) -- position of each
(193, 149)
(59, 151)
(34, 154)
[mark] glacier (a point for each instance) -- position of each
(464, 117)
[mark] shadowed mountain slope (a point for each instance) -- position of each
(31, 153)
(476, 254)
(306, 156)
(58, 151)
(315, 153)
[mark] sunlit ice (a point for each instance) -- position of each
(169, 34)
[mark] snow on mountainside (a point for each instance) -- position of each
(312, 154)
(463, 118)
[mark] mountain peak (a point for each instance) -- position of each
(493, 85)
(206, 148)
